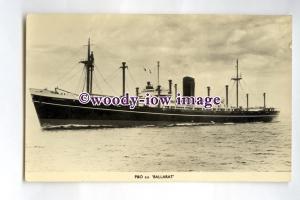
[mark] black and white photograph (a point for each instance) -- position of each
(158, 97)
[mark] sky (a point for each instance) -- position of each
(202, 46)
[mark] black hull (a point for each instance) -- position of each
(54, 111)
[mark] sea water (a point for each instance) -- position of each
(260, 147)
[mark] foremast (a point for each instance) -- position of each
(89, 68)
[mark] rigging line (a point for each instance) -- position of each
(219, 92)
(232, 86)
(65, 74)
(69, 81)
(249, 88)
(242, 88)
(97, 71)
(70, 76)
(73, 56)
(243, 93)
(113, 73)
(109, 76)
(128, 86)
(79, 82)
(96, 82)
(131, 76)
(254, 94)
(231, 94)
(250, 91)
(113, 78)
(83, 83)
(67, 68)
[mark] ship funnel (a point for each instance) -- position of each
(188, 86)
(170, 86)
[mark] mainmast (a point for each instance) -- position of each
(89, 68)
(237, 79)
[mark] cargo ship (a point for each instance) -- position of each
(61, 108)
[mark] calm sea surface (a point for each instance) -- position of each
(263, 147)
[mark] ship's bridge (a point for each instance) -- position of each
(152, 91)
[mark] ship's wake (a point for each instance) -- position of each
(158, 125)
(163, 125)
(75, 127)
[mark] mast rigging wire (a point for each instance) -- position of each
(96, 82)
(112, 89)
(79, 82)
(70, 78)
(131, 76)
